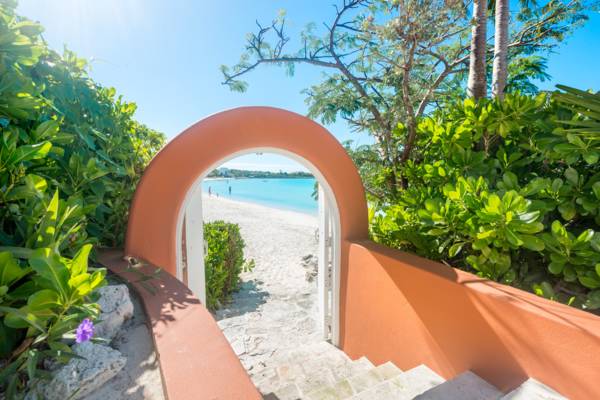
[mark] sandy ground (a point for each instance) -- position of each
(275, 309)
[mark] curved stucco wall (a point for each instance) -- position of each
(419, 311)
(151, 232)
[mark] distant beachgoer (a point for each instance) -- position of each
(209, 192)
(230, 190)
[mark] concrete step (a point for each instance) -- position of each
(365, 380)
(403, 386)
(388, 370)
(466, 386)
(348, 376)
(346, 370)
(310, 369)
(319, 379)
(533, 390)
(370, 384)
(338, 391)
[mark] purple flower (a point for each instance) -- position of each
(84, 331)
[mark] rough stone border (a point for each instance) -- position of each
(196, 360)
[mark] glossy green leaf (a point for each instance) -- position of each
(53, 273)
(567, 211)
(79, 264)
(30, 152)
(532, 242)
(556, 267)
(572, 175)
(10, 271)
(21, 318)
(42, 300)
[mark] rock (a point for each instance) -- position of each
(116, 307)
(311, 264)
(80, 377)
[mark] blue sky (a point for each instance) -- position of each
(165, 56)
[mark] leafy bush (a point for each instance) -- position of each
(43, 300)
(509, 190)
(70, 157)
(61, 129)
(224, 261)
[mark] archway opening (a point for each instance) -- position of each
(191, 247)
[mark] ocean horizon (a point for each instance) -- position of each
(294, 194)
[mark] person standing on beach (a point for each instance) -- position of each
(230, 190)
(209, 192)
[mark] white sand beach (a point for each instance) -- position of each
(276, 307)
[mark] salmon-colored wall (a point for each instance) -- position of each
(422, 312)
(151, 231)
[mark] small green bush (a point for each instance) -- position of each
(224, 261)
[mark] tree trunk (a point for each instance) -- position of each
(477, 85)
(500, 73)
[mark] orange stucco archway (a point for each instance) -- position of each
(393, 305)
(160, 195)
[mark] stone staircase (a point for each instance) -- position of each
(322, 372)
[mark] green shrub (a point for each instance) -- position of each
(70, 157)
(62, 130)
(224, 261)
(509, 190)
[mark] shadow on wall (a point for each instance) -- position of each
(195, 358)
(163, 297)
(454, 323)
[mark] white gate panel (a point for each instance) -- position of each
(325, 263)
(194, 236)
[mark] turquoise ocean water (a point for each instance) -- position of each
(289, 194)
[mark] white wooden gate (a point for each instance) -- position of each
(191, 268)
(325, 271)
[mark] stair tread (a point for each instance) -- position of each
(466, 386)
(388, 370)
(338, 391)
(365, 380)
(413, 382)
(532, 389)
(367, 376)
(330, 376)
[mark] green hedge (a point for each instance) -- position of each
(509, 190)
(224, 261)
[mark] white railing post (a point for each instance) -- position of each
(324, 261)
(194, 235)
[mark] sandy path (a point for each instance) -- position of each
(275, 309)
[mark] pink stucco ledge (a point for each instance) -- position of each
(196, 360)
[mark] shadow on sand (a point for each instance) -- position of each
(247, 299)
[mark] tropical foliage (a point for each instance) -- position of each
(70, 157)
(224, 261)
(509, 190)
(388, 62)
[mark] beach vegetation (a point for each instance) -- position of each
(244, 173)
(386, 64)
(224, 261)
